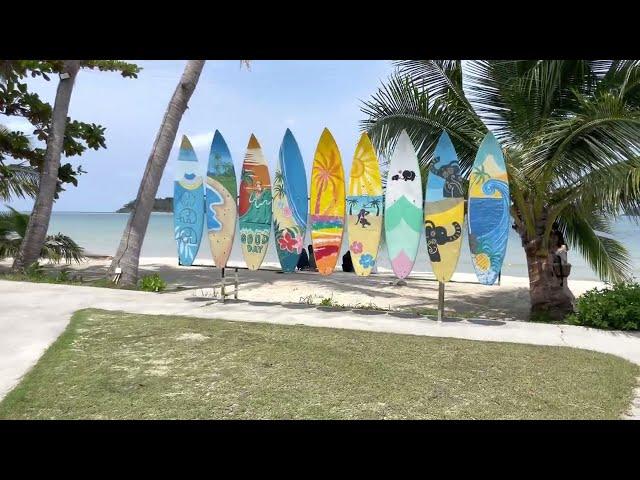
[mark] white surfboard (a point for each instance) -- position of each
(403, 217)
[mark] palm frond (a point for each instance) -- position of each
(61, 247)
(589, 231)
(401, 105)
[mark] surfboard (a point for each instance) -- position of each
(188, 204)
(327, 203)
(489, 216)
(403, 214)
(254, 206)
(221, 194)
(364, 205)
(444, 210)
(290, 203)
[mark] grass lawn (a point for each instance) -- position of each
(117, 365)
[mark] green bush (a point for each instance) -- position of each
(35, 271)
(152, 283)
(617, 308)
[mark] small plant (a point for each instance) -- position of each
(35, 271)
(327, 302)
(64, 276)
(368, 306)
(615, 308)
(152, 283)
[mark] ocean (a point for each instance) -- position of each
(99, 233)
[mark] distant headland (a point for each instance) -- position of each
(159, 205)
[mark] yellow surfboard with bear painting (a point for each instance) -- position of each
(444, 210)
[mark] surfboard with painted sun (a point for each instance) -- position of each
(364, 207)
(327, 203)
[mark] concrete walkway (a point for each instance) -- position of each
(32, 316)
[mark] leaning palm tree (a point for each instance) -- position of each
(36, 232)
(570, 131)
(128, 255)
(13, 227)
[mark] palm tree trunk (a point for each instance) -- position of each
(39, 220)
(549, 294)
(128, 254)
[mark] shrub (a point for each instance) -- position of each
(615, 308)
(152, 283)
(35, 271)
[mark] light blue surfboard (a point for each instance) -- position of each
(188, 204)
(290, 203)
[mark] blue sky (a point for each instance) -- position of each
(305, 96)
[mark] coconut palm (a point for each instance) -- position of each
(128, 255)
(375, 203)
(36, 231)
(13, 227)
(278, 185)
(570, 131)
(352, 202)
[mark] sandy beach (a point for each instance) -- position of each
(463, 295)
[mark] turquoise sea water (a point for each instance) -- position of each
(99, 233)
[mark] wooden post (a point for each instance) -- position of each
(440, 301)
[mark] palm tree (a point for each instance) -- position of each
(570, 131)
(247, 177)
(375, 203)
(13, 227)
(128, 255)
(351, 202)
(278, 185)
(36, 232)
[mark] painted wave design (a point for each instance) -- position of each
(488, 236)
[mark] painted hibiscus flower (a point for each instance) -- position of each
(288, 243)
(356, 247)
(298, 244)
(367, 261)
(287, 211)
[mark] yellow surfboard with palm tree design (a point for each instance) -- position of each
(327, 203)
(364, 205)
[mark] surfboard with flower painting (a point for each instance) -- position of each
(221, 194)
(327, 203)
(444, 210)
(489, 216)
(254, 206)
(188, 204)
(290, 203)
(403, 215)
(364, 207)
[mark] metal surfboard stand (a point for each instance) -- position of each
(223, 293)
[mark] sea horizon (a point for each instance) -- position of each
(99, 234)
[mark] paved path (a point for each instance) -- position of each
(32, 316)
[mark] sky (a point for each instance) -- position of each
(305, 96)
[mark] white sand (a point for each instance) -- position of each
(509, 300)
